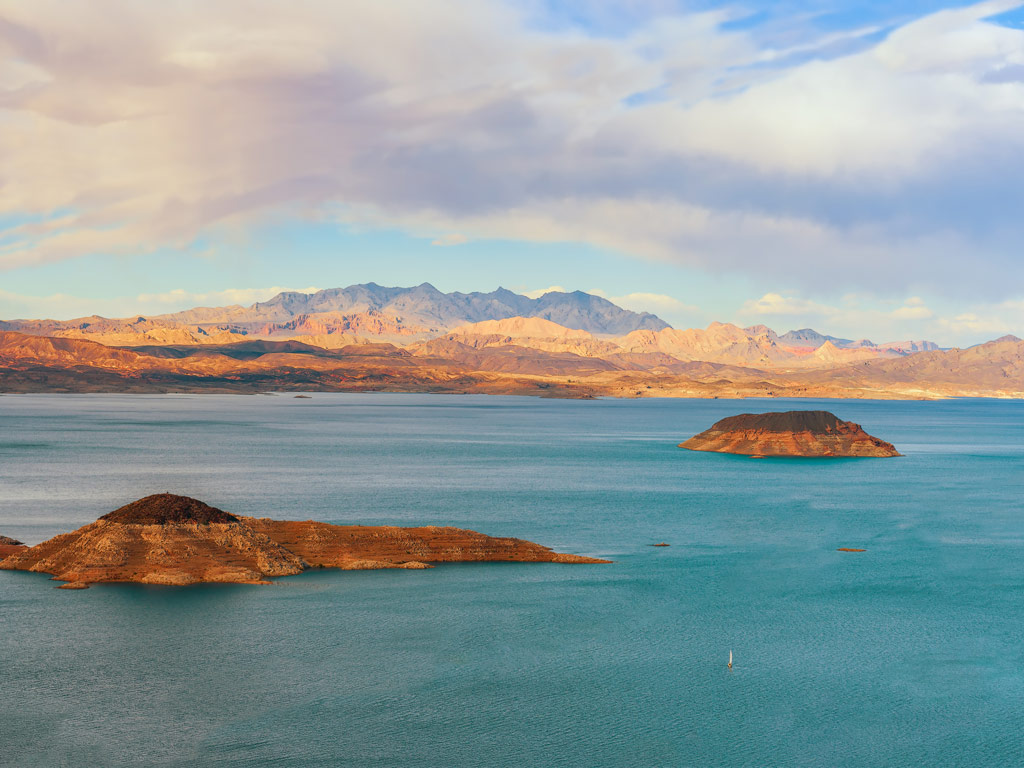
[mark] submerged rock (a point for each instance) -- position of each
(790, 433)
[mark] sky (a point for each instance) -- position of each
(856, 167)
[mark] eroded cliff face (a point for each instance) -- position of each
(360, 546)
(176, 540)
(791, 433)
(169, 553)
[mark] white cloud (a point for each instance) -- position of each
(61, 306)
(459, 116)
(1010, 320)
(862, 317)
(538, 292)
(452, 238)
(179, 297)
(777, 304)
(911, 313)
(969, 321)
(652, 302)
(57, 306)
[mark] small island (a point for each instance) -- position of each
(790, 433)
(177, 540)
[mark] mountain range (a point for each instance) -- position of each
(338, 317)
(419, 339)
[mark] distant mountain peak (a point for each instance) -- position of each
(808, 337)
(429, 309)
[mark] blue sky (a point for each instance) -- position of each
(855, 167)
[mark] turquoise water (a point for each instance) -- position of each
(909, 654)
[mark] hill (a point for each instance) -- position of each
(995, 368)
(497, 364)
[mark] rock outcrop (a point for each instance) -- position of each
(9, 546)
(165, 508)
(791, 433)
(169, 539)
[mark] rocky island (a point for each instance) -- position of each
(177, 540)
(791, 433)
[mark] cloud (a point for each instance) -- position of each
(861, 316)
(1004, 318)
(179, 297)
(652, 302)
(775, 304)
(913, 309)
(969, 321)
(537, 293)
(899, 157)
(58, 306)
(453, 238)
(61, 306)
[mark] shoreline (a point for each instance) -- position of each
(864, 396)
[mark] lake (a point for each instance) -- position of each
(908, 654)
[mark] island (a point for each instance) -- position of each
(790, 433)
(177, 540)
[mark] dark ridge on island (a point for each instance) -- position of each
(9, 546)
(790, 433)
(166, 508)
(177, 540)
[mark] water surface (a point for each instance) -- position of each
(907, 654)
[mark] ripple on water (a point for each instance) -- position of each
(907, 654)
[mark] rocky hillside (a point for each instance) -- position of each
(566, 364)
(994, 368)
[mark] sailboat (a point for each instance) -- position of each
(730, 659)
